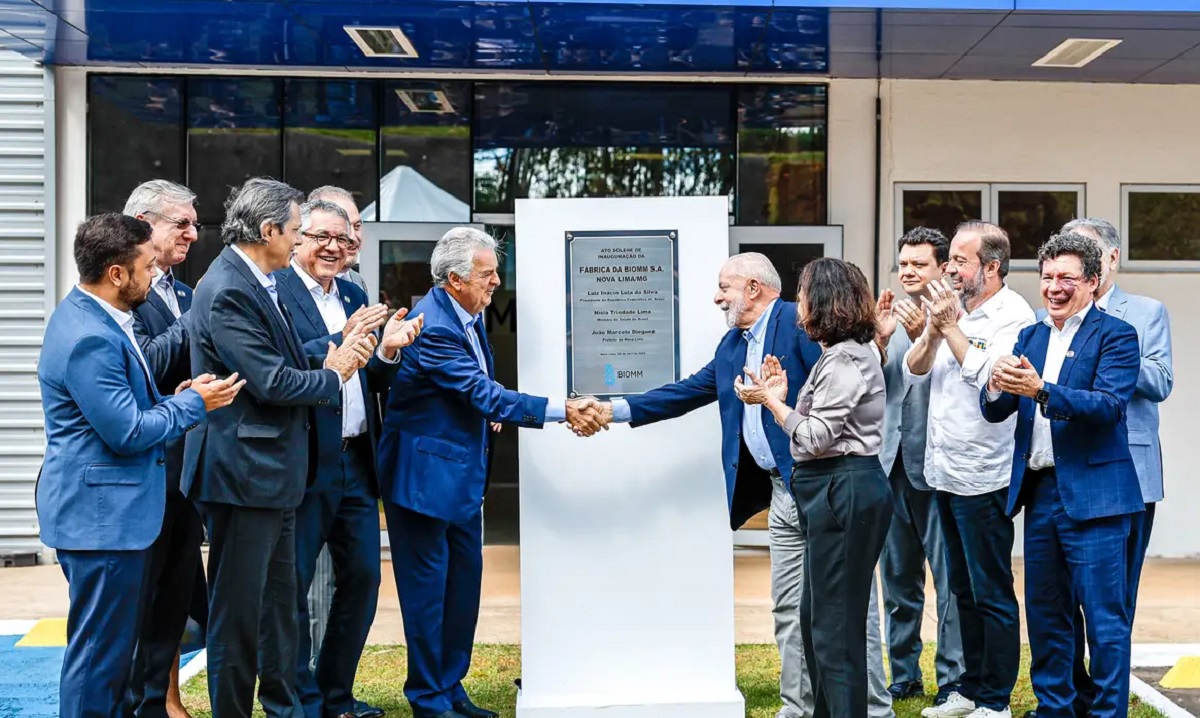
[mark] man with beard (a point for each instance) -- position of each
(176, 581)
(102, 489)
(756, 456)
(916, 531)
(974, 319)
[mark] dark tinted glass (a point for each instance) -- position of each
(200, 255)
(1162, 225)
(942, 210)
(135, 134)
(426, 152)
(781, 155)
(789, 261)
(404, 272)
(234, 134)
(330, 136)
(587, 140)
(1031, 217)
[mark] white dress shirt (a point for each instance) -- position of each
(1102, 302)
(125, 321)
(1041, 446)
(964, 454)
(330, 306)
(164, 286)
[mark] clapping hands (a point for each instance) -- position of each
(769, 383)
(1015, 375)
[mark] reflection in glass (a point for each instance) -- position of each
(942, 210)
(330, 136)
(579, 140)
(1162, 226)
(1031, 217)
(501, 318)
(404, 272)
(201, 254)
(789, 261)
(135, 131)
(233, 135)
(781, 155)
(426, 153)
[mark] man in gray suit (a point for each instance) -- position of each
(1155, 380)
(345, 200)
(916, 533)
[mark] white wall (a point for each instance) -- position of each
(1101, 135)
(71, 130)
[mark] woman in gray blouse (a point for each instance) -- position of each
(845, 501)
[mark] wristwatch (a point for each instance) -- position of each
(1042, 397)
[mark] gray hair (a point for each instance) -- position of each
(993, 243)
(752, 265)
(329, 192)
(155, 195)
(1102, 228)
(1071, 243)
(455, 253)
(255, 206)
(321, 205)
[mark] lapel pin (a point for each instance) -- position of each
(346, 300)
(1070, 353)
(181, 293)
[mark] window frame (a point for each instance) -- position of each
(1152, 265)
(989, 206)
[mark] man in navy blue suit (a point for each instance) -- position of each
(102, 490)
(433, 459)
(756, 457)
(340, 507)
(248, 467)
(1070, 380)
(176, 569)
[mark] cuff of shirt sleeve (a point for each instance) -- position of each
(556, 411)
(993, 395)
(790, 422)
(385, 360)
(338, 374)
(621, 412)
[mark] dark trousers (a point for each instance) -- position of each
(106, 590)
(845, 507)
(171, 584)
(346, 517)
(1070, 563)
(914, 538)
(979, 540)
(1140, 527)
(252, 610)
(439, 569)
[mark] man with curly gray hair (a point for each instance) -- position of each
(1069, 380)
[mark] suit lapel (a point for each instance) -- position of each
(183, 293)
(1091, 323)
(160, 306)
(264, 299)
(1039, 344)
(1118, 303)
(772, 328)
(87, 304)
(299, 297)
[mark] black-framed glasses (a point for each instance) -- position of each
(343, 241)
(180, 224)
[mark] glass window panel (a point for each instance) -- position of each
(501, 317)
(135, 131)
(234, 134)
(1031, 216)
(587, 140)
(941, 209)
(426, 153)
(329, 136)
(789, 260)
(1162, 225)
(404, 272)
(782, 155)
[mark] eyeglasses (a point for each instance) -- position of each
(343, 241)
(180, 224)
(1065, 282)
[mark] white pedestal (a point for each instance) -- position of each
(626, 558)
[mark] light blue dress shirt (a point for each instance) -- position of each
(752, 424)
(556, 410)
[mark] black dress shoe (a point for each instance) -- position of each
(470, 710)
(364, 710)
(1030, 714)
(908, 689)
(448, 714)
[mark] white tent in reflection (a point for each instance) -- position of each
(405, 195)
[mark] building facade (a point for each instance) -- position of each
(832, 128)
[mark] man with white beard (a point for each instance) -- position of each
(756, 457)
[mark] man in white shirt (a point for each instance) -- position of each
(344, 199)
(1069, 381)
(973, 320)
(340, 508)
